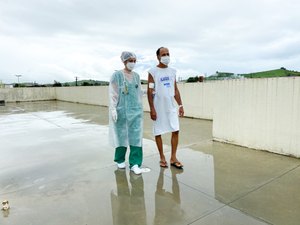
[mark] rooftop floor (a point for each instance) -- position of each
(57, 168)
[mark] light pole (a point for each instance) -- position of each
(18, 76)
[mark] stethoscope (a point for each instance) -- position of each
(125, 91)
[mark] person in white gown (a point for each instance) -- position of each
(163, 95)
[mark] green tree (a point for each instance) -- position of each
(85, 83)
(57, 84)
(192, 79)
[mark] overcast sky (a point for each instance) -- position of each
(47, 40)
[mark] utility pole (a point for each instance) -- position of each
(18, 76)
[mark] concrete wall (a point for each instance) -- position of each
(94, 95)
(198, 99)
(256, 113)
(259, 113)
(27, 94)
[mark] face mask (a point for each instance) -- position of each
(130, 65)
(165, 60)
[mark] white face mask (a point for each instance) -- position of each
(165, 60)
(130, 65)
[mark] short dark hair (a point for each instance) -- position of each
(158, 51)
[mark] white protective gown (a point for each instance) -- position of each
(125, 97)
(164, 102)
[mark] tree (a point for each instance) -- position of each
(85, 83)
(192, 79)
(57, 84)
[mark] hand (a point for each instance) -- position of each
(153, 114)
(181, 111)
(114, 115)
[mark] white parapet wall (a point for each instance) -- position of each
(27, 94)
(259, 113)
(93, 95)
(256, 113)
(198, 99)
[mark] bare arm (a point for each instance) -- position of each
(178, 100)
(150, 97)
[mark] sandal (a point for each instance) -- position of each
(163, 164)
(177, 165)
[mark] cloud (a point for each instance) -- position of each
(60, 39)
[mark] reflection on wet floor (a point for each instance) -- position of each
(57, 168)
(128, 202)
(168, 202)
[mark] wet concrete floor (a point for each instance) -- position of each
(56, 167)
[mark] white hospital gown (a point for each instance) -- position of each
(164, 102)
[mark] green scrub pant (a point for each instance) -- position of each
(135, 155)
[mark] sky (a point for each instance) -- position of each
(57, 40)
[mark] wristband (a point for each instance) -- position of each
(180, 106)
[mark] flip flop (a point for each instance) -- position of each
(177, 165)
(163, 164)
